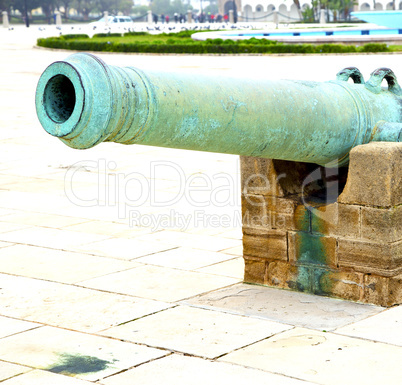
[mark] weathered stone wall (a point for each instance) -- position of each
(300, 234)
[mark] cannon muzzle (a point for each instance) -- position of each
(84, 102)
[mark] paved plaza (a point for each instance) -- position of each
(123, 264)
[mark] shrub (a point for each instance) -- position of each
(189, 46)
(108, 35)
(136, 33)
(374, 47)
(74, 36)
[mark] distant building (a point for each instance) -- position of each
(261, 10)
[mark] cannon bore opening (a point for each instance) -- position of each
(59, 98)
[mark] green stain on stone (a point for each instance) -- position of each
(71, 364)
(311, 249)
(302, 282)
(312, 260)
(322, 282)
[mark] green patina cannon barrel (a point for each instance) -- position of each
(84, 102)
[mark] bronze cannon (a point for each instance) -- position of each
(83, 101)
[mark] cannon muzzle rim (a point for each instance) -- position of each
(60, 99)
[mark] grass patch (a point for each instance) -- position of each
(181, 43)
(395, 48)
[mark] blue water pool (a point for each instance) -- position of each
(390, 19)
(362, 32)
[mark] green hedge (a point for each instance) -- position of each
(108, 35)
(74, 36)
(180, 44)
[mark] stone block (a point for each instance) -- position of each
(258, 176)
(376, 289)
(287, 276)
(394, 290)
(383, 291)
(255, 270)
(311, 249)
(336, 220)
(375, 175)
(342, 284)
(265, 243)
(384, 259)
(288, 214)
(381, 225)
(254, 211)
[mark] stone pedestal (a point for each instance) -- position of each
(58, 18)
(332, 232)
(106, 18)
(6, 23)
(189, 16)
(231, 16)
(323, 16)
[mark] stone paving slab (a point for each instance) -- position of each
(76, 354)
(57, 265)
(195, 241)
(116, 230)
(39, 219)
(126, 249)
(299, 309)
(183, 370)
(5, 244)
(384, 327)
(159, 283)
(194, 331)
(9, 326)
(8, 370)
(232, 268)
(9, 227)
(68, 306)
(42, 377)
(184, 258)
(323, 358)
(47, 237)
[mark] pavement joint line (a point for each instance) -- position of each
(80, 287)
(69, 251)
(31, 369)
(140, 364)
(22, 331)
(363, 338)
(256, 342)
(141, 317)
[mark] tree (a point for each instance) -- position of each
(211, 8)
(348, 7)
(160, 7)
(66, 6)
(177, 6)
(336, 7)
(126, 7)
(297, 3)
(48, 8)
(85, 7)
(20, 5)
(139, 9)
(5, 5)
